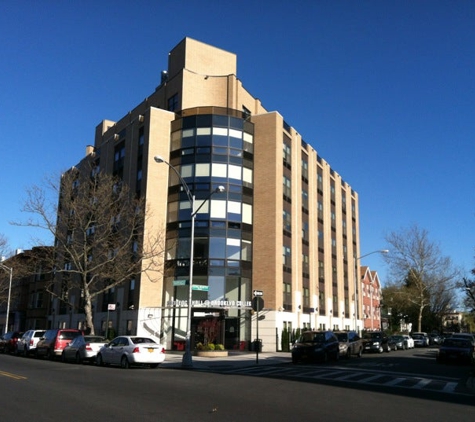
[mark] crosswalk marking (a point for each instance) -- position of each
(361, 377)
(450, 387)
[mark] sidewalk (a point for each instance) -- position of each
(173, 360)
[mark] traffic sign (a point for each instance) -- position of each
(200, 287)
(257, 303)
(257, 292)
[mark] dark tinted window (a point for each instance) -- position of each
(139, 340)
(342, 336)
(312, 337)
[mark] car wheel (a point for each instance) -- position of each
(49, 355)
(154, 365)
(99, 361)
(124, 363)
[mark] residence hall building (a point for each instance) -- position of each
(286, 225)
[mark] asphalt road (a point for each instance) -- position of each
(40, 390)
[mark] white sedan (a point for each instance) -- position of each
(131, 350)
(409, 340)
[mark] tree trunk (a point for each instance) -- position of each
(419, 319)
(88, 312)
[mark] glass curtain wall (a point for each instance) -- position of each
(210, 148)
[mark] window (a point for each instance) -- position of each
(246, 250)
(287, 153)
(119, 157)
(247, 213)
(287, 299)
(217, 247)
(305, 264)
(173, 103)
(246, 111)
(287, 256)
(305, 169)
(287, 221)
(306, 297)
(305, 230)
(305, 200)
(287, 187)
(39, 300)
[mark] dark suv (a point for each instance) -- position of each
(376, 341)
(316, 346)
(53, 342)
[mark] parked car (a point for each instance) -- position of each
(409, 341)
(434, 339)
(467, 336)
(350, 343)
(398, 342)
(83, 348)
(420, 339)
(316, 346)
(375, 341)
(457, 350)
(131, 350)
(53, 342)
(9, 341)
(28, 341)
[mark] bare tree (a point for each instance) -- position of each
(3, 245)
(4, 273)
(468, 287)
(425, 278)
(98, 227)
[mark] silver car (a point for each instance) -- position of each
(420, 339)
(83, 348)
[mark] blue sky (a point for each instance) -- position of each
(383, 90)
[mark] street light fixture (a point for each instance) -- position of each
(10, 270)
(187, 361)
(382, 251)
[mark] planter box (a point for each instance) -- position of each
(211, 353)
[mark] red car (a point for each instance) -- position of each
(53, 342)
(9, 341)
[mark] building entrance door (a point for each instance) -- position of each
(207, 327)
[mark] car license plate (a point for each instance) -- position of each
(150, 350)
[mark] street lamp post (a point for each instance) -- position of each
(187, 361)
(10, 270)
(382, 251)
